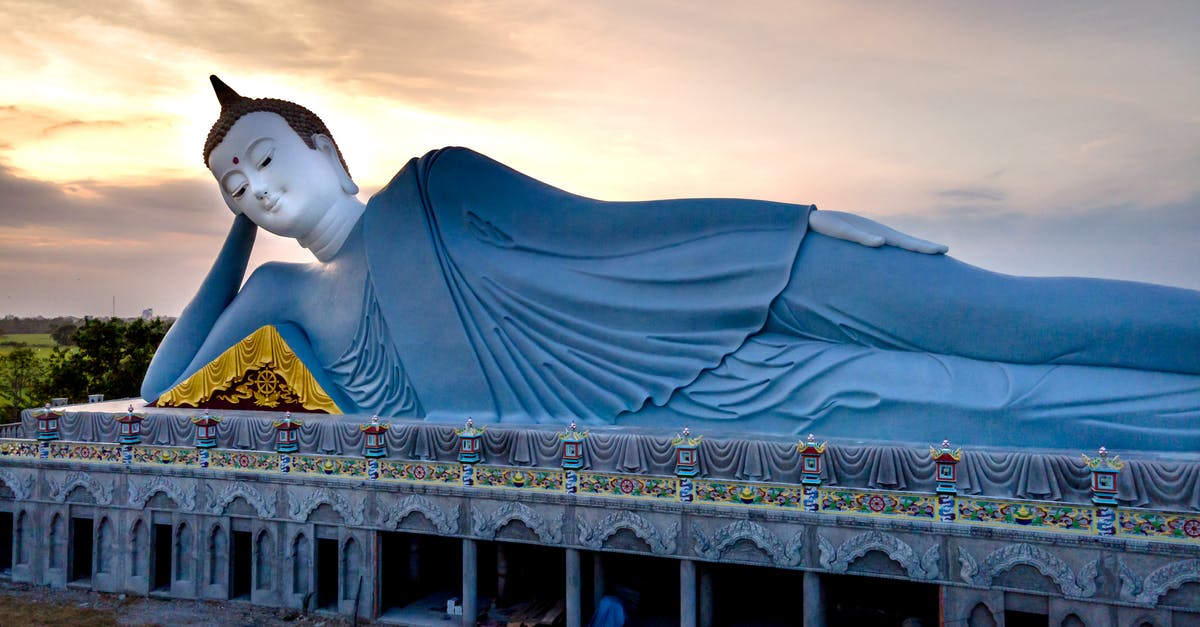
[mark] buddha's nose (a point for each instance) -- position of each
(260, 193)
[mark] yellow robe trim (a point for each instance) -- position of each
(263, 349)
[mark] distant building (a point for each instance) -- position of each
(148, 314)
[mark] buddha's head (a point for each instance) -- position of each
(276, 162)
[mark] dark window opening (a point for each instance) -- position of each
(890, 602)
(160, 566)
(648, 587)
(240, 564)
(6, 541)
(737, 592)
(1025, 619)
(414, 567)
(327, 573)
(81, 549)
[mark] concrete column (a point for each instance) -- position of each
(687, 593)
(414, 561)
(501, 573)
(597, 578)
(574, 600)
(470, 575)
(814, 600)
(706, 596)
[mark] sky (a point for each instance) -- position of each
(1033, 138)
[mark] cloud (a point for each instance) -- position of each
(977, 194)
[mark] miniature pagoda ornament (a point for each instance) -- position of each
(206, 435)
(470, 450)
(947, 478)
(687, 462)
(47, 429)
(374, 447)
(810, 470)
(572, 456)
(129, 432)
(1104, 471)
(287, 440)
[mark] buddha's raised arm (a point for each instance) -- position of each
(194, 325)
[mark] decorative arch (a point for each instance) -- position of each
(1165, 579)
(445, 523)
(58, 539)
(263, 556)
(660, 543)
(139, 546)
(104, 546)
(183, 552)
(301, 564)
(839, 559)
(486, 526)
(218, 501)
(101, 492)
(22, 488)
(184, 494)
(745, 530)
(351, 565)
(302, 508)
(217, 553)
(20, 531)
(1005, 558)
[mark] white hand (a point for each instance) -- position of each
(854, 228)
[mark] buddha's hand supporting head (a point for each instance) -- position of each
(276, 164)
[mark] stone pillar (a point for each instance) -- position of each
(597, 578)
(501, 573)
(574, 600)
(706, 596)
(414, 561)
(470, 575)
(687, 593)
(814, 600)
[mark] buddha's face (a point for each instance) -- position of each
(268, 173)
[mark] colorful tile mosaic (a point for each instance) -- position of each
(1159, 525)
(165, 455)
(420, 472)
(18, 448)
(738, 493)
(85, 451)
(244, 460)
(519, 478)
(349, 467)
(1074, 518)
(603, 484)
(878, 503)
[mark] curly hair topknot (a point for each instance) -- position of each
(304, 122)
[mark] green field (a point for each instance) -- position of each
(41, 343)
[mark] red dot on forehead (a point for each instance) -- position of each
(235, 160)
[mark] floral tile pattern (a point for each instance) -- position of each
(519, 478)
(604, 484)
(877, 503)
(420, 472)
(1059, 517)
(737, 493)
(1159, 526)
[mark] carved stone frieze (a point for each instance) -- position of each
(1001, 560)
(726, 537)
(1162, 580)
(20, 482)
(445, 522)
(1131, 584)
(101, 490)
(352, 509)
(660, 543)
(218, 500)
(487, 525)
(838, 559)
(181, 491)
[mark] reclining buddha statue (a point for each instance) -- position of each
(466, 289)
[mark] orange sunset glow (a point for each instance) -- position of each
(1033, 138)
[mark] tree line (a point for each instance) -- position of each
(98, 356)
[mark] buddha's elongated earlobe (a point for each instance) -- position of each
(327, 147)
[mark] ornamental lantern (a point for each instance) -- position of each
(810, 460)
(1104, 476)
(47, 420)
(470, 443)
(206, 430)
(287, 437)
(373, 445)
(946, 461)
(572, 447)
(129, 427)
(687, 457)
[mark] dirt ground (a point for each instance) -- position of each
(22, 604)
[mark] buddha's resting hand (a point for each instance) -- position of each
(854, 228)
